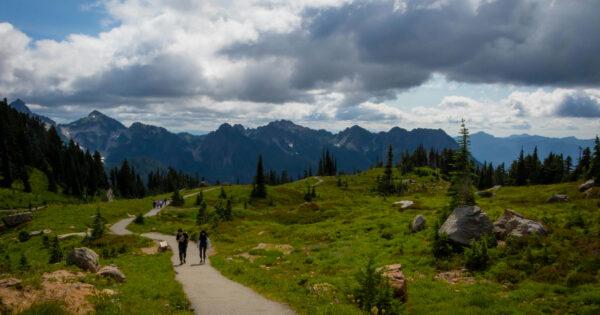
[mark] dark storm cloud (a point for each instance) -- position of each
(578, 105)
(373, 49)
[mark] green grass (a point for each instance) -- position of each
(16, 198)
(150, 287)
(334, 237)
(333, 242)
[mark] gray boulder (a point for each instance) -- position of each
(587, 185)
(17, 219)
(466, 224)
(83, 258)
(558, 198)
(418, 223)
(112, 272)
(514, 224)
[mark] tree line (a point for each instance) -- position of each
(531, 170)
(26, 143)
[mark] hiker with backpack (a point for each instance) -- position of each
(203, 245)
(182, 239)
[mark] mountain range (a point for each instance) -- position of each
(229, 153)
(486, 147)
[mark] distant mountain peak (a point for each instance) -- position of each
(20, 106)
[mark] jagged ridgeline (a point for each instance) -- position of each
(26, 144)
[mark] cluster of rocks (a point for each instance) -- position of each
(470, 223)
(397, 280)
(87, 259)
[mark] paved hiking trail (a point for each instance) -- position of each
(207, 289)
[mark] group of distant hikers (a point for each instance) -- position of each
(182, 239)
(159, 203)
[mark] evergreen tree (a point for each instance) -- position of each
(177, 199)
(461, 189)
(222, 194)
(97, 226)
(199, 198)
(594, 171)
(202, 216)
(56, 254)
(259, 189)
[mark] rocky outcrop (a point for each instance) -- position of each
(83, 258)
(404, 204)
(466, 224)
(514, 224)
(112, 272)
(396, 279)
(17, 219)
(558, 198)
(418, 223)
(587, 185)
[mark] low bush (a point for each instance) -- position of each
(24, 236)
(374, 293)
(476, 256)
(577, 278)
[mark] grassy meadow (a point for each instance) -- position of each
(333, 237)
(315, 249)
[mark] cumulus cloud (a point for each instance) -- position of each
(204, 62)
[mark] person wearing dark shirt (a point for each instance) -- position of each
(182, 242)
(203, 245)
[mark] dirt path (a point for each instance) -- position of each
(320, 180)
(209, 292)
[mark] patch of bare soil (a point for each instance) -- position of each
(61, 285)
(459, 276)
(286, 249)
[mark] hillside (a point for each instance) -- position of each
(330, 239)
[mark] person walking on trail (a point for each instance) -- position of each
(203, 243)
(182, 242)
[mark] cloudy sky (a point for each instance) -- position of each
(506, 66)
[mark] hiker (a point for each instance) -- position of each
(182, 240)
(203, 243)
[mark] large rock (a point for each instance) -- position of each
(418, 223)
(587, 185)
(466, 224)
(112, 272)
(514, 224)
(558, 198)
(83, 258)
(17, 219)
(396, 279)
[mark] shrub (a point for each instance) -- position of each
(56, 254)
(503, 273)
(577, 278)
(24, 236)
(476, 256)
(45, 241)
(5, 264)
(24, 263)
(374, 291)
(139, 219)
(440, 246)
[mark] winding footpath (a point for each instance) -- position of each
(207, 289)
